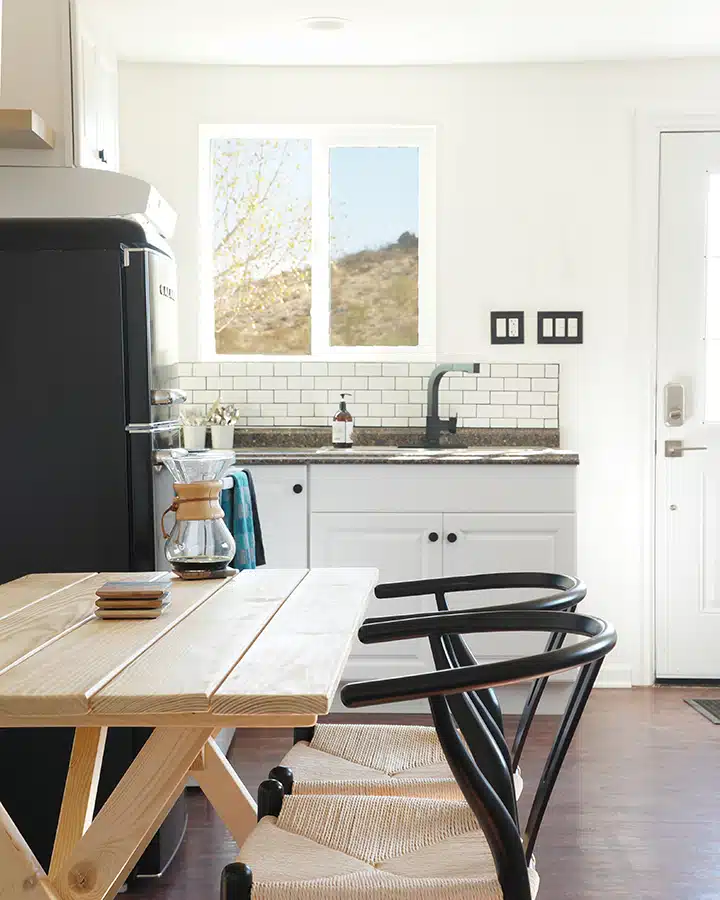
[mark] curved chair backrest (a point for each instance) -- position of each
(478, 763)
(568, 592)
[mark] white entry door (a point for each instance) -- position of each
(688, 411)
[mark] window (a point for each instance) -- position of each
(318, 242)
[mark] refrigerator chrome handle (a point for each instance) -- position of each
(154, 427)
(167, 397)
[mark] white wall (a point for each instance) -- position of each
(535, 210)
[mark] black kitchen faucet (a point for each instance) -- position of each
(435, 426)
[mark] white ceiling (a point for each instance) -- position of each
(393, 32)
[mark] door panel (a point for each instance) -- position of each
(282, 509)
(506, 543)
(399, 546)
(688, 485)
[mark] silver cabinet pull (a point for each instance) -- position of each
(675, 449)
(167, 397)
(154, 427)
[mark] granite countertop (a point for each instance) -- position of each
(406, 456)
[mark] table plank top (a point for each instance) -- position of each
(268, 642)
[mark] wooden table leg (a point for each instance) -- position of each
(102, 859)
(21, 875)
(226, 792)
(78, 803)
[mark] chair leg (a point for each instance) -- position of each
(270, 798)
(303, 734)
(285, 776)
(236, 882)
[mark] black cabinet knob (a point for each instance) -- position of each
(452, 537)
(433, 536)
(101, 156)
(297, 488)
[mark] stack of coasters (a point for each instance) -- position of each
(132, 599)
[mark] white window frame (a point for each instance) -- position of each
(324, 137)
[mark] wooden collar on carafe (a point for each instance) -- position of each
(198, 500)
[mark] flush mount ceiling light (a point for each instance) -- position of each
(324, 23)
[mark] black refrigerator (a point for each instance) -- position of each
(88, 347)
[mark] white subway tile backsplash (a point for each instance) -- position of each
(314, 397)
(475, 397)
(408, 409)
(422, 369)
(328, 382)
(517, 384)
(288, 368)
(395, 396)
(219, 384)
(273, 383)
(408, 383)
(341, 368)
(395, 422)
(301, 381)
(206, 369)
(523, 395)
(381, 383)
(543, 412)
(368, 368)
(531, 370)
(544, 384)
(247, 382)
(504, 370)
(395, 369)
(260, 368)
(191, 383)
(236, 368)
(355, 382)
(314, 368)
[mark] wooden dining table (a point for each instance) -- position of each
(263, 649)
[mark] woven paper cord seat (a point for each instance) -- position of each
(326, 847)
(398, 760)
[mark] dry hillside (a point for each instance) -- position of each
(374, 302)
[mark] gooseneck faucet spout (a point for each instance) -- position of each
(434, 424)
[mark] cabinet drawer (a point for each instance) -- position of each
(442, 488)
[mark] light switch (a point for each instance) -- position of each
(507, 327)
(560, 328)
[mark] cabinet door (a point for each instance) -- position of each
(400, 546)
(514, 542)
(95, 102)
(282, 506)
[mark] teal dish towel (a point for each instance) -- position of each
(237, 506)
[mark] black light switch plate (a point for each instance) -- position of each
(507, 327)
(560, 327)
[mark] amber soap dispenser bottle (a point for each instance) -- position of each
(342, 427)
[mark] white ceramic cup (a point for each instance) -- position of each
(194, 437)
(222, 436)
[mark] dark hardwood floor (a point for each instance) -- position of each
(635, 814)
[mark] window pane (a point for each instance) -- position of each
(262, 226)
(374, 246)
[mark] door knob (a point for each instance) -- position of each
(452, 537)
(433, 537)
(297, 488)
(675, 449)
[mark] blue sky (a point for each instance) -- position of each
(373, 196)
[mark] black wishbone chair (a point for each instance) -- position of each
(408, 759)
(352, 847)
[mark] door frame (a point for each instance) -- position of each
(643, 321)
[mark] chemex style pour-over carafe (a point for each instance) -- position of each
(199, 544)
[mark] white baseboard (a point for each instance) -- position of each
(615, 675)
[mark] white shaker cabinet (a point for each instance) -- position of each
(512, 542)
(402, 547)
(58, 62)
(282, 506)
